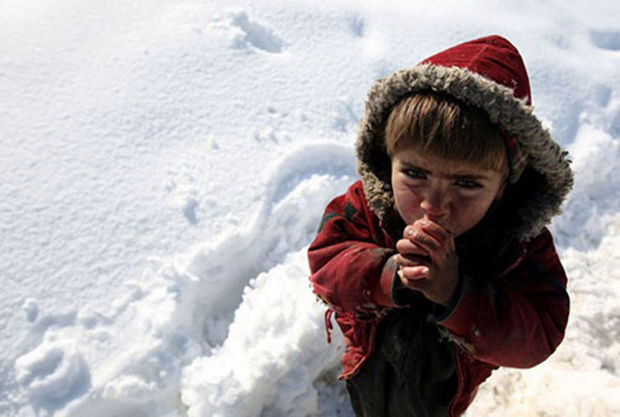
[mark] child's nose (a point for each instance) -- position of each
(435, 203)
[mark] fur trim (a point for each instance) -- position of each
(544, 155)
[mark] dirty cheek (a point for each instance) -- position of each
(407, 204)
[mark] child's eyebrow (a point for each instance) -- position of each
(453, 176)
(466, 176)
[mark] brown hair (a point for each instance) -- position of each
(446, 127)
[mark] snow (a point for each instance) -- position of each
(166, 164)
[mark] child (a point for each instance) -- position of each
(437, 264)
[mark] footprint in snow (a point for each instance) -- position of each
(358, 26)
(606, 39)
(257, 35)
(52, 375)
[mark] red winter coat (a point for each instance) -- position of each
(516, 319)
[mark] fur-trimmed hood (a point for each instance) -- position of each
(487, 73)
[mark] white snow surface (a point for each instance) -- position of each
(165, 165)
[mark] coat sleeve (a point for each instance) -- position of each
(351, 259)
(519, 319)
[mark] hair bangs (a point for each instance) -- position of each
(445, 127)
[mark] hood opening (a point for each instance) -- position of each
(547, 178)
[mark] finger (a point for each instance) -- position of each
(423, 239)
(417, 272)
(420, 285)
(406, 246)
(412, 284)
(412, 260)
(440, 233)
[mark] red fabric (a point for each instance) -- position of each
(492, 57)
(516, 320)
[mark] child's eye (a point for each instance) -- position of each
(468, 184)
(414, 173)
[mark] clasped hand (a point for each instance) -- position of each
(428, 260)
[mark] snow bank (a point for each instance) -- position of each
(210, 325)
(271, 358)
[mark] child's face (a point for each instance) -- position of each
(450, 193)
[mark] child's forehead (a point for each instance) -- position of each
(433, 162)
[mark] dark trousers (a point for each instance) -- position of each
(411, 372)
